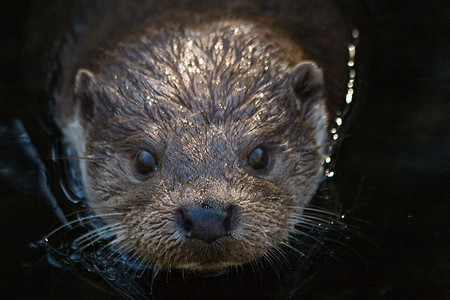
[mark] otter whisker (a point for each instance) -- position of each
(289, 246)
(132, 259)
(316, 239)
(267, 257)
(256, 268)
(87, 241)
(324, 227)
(101, 232)
(62, 227)
(122, 251)
(273, 261)
(281, 253)
(321, 211)
(81, 222)
(335, 226)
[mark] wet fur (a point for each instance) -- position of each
(200, 98)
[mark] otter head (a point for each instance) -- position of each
(205, 143)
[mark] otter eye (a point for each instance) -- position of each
(258, 158)
(145, 162)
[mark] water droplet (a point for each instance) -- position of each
(349, 96)
(351, 51)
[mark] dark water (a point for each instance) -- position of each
(393, 168)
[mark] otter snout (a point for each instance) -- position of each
(206, 221)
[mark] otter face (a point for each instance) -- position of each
(205, 143)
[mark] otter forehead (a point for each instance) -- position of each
(210, 70)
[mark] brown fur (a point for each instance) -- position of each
(200, 98)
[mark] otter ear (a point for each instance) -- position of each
(84, 94)
(307, 80)
(308, 86)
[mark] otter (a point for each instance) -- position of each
(199, 137)
(204, 151)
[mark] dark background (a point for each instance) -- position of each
(393, 168)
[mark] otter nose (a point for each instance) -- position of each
(206, 221)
